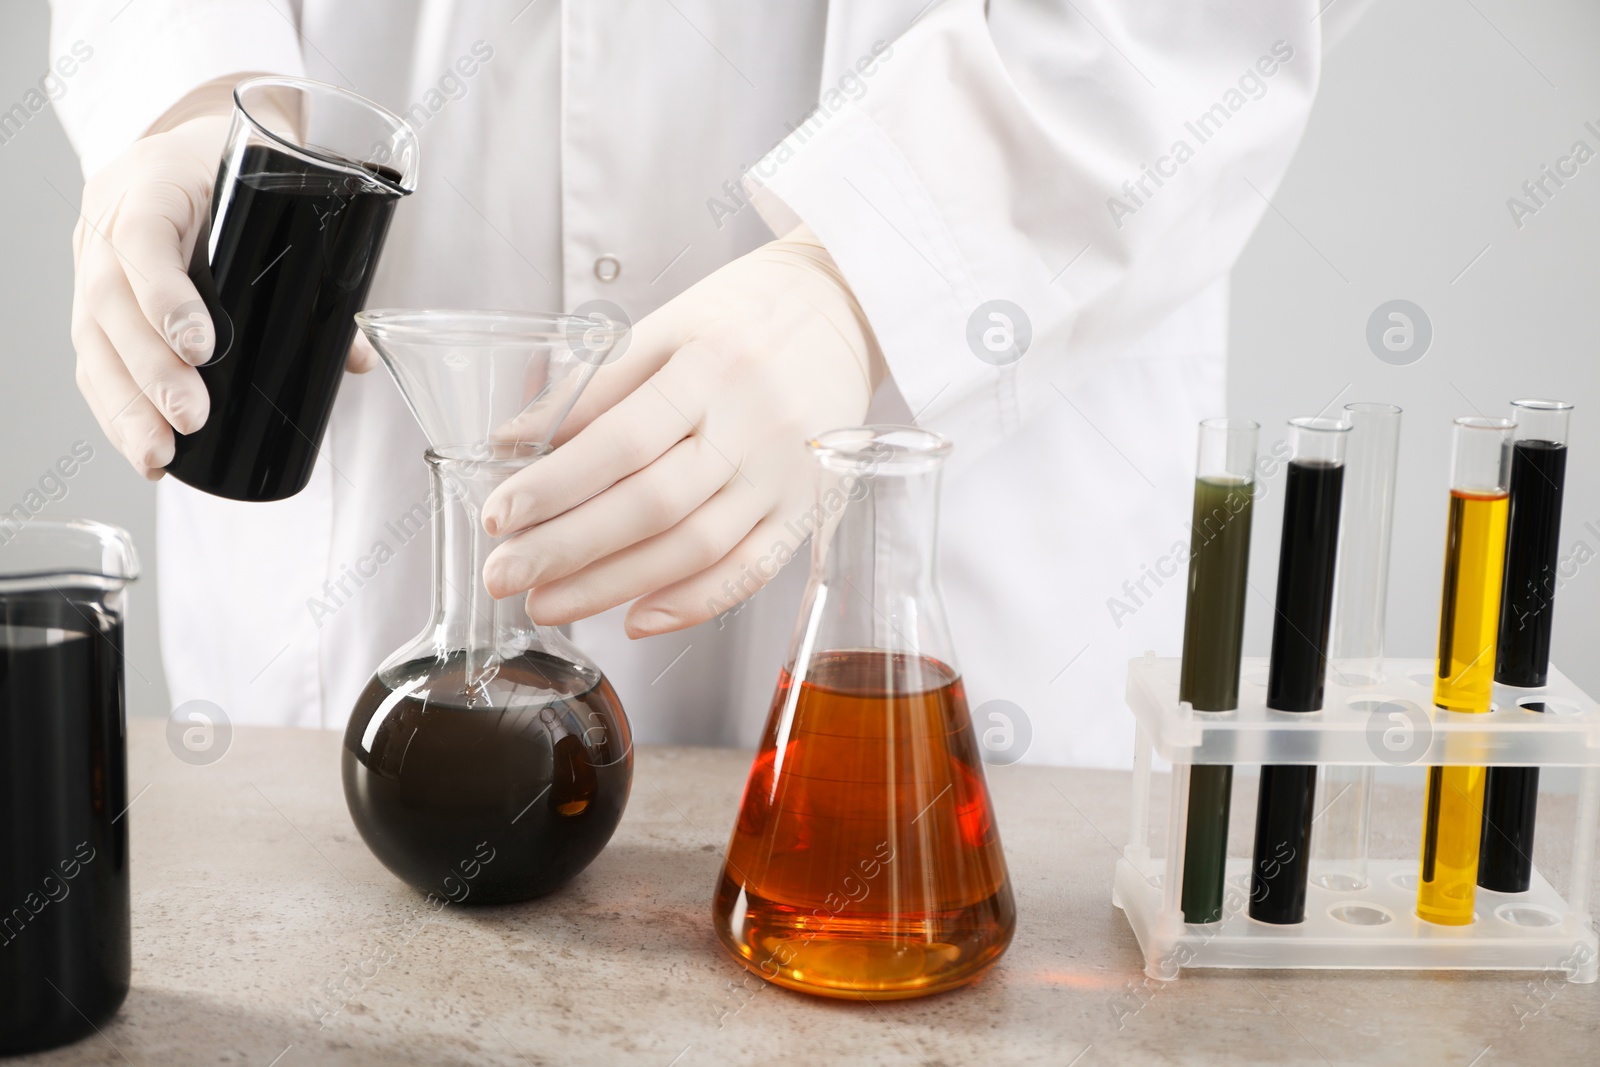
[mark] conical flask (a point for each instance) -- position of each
(488, 760)
(865, 861)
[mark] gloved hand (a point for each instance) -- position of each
(137, 321)
(680, 467)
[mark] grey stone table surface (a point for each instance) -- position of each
(265, 933)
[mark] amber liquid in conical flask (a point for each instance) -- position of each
(865, 861)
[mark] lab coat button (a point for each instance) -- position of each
(607, 267)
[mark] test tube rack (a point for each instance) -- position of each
(1364, 721)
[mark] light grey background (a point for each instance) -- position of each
(41, 413)
(1432, 113)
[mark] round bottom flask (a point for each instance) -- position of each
(491, 802)
(489, 761)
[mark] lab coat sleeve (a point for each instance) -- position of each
(135, 60)
(1095, 164)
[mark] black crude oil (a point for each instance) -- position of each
(64, 906)
(498, 796)
(1296, 675)
(1533, 546)
(295, 250)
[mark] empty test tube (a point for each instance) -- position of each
(1339, 832)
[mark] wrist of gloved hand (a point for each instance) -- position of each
(211, 99)
(834, 301)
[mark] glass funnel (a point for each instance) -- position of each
(488, 760)
(865, 861)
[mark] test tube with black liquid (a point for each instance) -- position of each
(1299, 660)
(1522, 659)
(1213, 636)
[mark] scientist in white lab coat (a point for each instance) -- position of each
(812, 211)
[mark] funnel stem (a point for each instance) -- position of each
(483, 651)
(466, 617)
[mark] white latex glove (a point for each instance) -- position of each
(683, 462)
(138, 324)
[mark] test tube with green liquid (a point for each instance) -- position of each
(1213, 633)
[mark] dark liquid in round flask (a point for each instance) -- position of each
(488, 761)
(490, 794)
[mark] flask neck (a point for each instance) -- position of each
(464, 618)
(874, 571)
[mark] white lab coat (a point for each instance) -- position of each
(963, 152)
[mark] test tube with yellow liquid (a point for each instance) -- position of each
(1469, 620)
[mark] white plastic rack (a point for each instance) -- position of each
(1365, 721)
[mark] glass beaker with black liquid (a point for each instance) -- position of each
(865, 862)
(65, 948)
(489, 760)
(305, 191)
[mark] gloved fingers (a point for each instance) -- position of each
(640, 506)
(97, 407)
(84, 332)
(691, 546)
(172, 385)
(646, 349)
(735, 577)
(626, 438)
(547, 402)
(149, 232)
(94, 217)
(131, 422)
(363, 357)
(640, 353)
